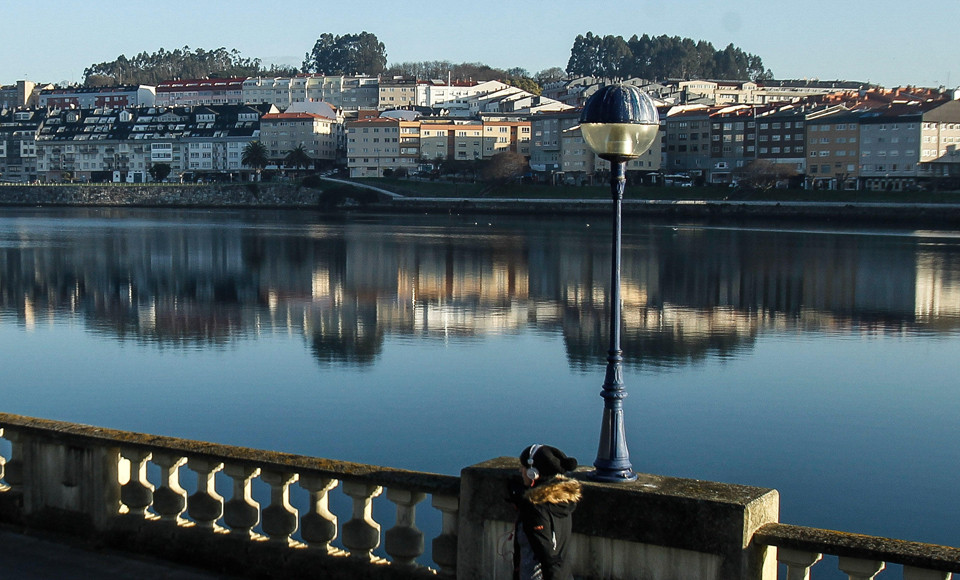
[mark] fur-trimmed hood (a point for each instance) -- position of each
(556, 490)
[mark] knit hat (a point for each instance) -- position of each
(549, 461)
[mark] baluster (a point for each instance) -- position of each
(205, 506)
(3, 461)
(404, 541)
(361, 535)
(859, 569)
(318, 527)
(911, 573)
(445, 545)
(279, 518)
(798, 562)
(14, 469)
(137, 493)
(241, 513)
(170, 499)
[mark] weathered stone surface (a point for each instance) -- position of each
(232, 195)
(850, 545)
(411, 480)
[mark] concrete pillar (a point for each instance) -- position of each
(69, 485)
(656, 528)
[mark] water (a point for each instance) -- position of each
(820, 361)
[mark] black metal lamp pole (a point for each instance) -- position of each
(613, 458)
(619, 122)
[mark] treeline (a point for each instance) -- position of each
(612, 57)
(660, 58)
(163, 65)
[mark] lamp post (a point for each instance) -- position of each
(619, 123)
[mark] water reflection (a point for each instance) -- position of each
(199, 280)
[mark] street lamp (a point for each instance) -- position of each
(619, 123)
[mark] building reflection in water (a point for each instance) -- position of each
(688, 292)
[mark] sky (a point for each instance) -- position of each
(883, 42)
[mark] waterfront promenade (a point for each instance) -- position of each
(44, 556)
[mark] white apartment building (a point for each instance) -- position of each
(91, 145)
(341, 92)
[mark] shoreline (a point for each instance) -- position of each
(287, 196)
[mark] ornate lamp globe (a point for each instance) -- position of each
(619, 122)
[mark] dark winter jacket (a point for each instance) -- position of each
(544, 528)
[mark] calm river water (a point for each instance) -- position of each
(820, 361)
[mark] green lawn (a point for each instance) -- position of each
(524, 191)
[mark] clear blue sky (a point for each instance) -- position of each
(885, 42)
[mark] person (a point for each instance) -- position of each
(545, 502)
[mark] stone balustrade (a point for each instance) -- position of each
(97, 482)
(860, 557)
(233, 510)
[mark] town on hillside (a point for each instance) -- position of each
(828, 135)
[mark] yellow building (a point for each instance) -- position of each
(376, 145)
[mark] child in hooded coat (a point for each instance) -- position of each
(545, 504)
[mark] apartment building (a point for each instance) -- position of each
(378, 144)
(559, 153)
(833, 149)
(709, 144)
(546, 150)
(281, 133)
(940, 143)
(685, 140)
(733, 135)
(373, 146)
(21, 94)
(780, 137)
(723, 92)
(94, 97)
(193, 92)
(121, 145)
(904, 145)
(18, 144)
(341, 92)
(397, 92)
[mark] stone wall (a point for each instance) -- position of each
(358, 196)
(267, 195)
(658, 528)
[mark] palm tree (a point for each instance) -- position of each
(255, 156)
(298, 158)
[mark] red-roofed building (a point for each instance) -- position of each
(200, 92)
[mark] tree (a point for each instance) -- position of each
(584, 56)
(255, 156)
(151, 69)
(159, 171)
(525, 83)
(298, 158)
(348, 54)
(613, 57)
(504, 167)
(661, 57)
(764, 174)
(549, 75)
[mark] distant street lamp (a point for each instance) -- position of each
(619, 123)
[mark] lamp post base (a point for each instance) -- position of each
(612, 476)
